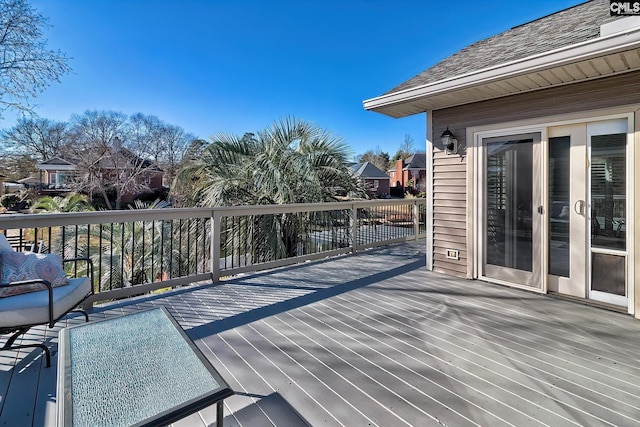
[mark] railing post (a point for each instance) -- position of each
(215, 246)
(416, 220)
(354, 227)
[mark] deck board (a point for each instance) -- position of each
(374, 339)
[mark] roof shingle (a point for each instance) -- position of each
(566, 27)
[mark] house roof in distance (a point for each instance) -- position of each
(56, 161)
(566, 27)
(416, 161)
(368, 170)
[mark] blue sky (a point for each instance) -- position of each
(236, 66)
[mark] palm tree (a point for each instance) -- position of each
(59, 239)
(74, 202)
(131, 253)
(291, 161)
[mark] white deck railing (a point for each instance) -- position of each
(138, 251)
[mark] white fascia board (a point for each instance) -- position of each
(589, 49)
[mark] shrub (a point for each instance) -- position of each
(9, 200)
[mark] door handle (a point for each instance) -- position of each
(579, 207)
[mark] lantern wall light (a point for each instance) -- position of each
(449, 142)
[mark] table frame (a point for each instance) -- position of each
(64, 393)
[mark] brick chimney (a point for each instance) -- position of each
(400, 173)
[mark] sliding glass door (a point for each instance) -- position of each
(553, 213)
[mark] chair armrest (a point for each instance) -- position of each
(49, 291)
(89, 262)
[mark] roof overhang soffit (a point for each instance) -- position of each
(605, 56)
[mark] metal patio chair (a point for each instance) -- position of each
(18, 313)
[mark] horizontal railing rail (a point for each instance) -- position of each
(139, 251)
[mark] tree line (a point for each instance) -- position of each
(383, 161)
(127, 146)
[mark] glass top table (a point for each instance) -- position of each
(140, 369)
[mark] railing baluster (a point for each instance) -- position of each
(186, 264)
(195, 255)
(180, 225)
(111, 267)
(162, 233)
(171, 249)
(100, 255)
(153, 252)
(122, 247)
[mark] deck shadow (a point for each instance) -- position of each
(259, 313)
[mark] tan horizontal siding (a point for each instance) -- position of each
(455, 181)
(450, 217)
(440, 196)
(452, 192)
(450, 211)
(460, 232)
(449, 244)
(449, 224)
(451, 167)
(441, 253)
(449, 203)
(442, 257)
(608, 92)
(446, 174)
(446, 160)
(450, 171)
(445, 238)
(445, 210)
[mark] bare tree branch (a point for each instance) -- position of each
(41, 138)
(27, 65)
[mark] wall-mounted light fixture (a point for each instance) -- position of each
(449, 142)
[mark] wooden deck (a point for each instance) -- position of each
(373, 339)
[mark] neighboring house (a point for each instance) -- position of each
(56, 175)
(537, 190)
(376, 181)
(148, 174)
(410, 173)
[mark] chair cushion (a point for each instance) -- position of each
(33, 308)
(18, 266)
(4, 244)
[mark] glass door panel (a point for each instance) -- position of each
(608, 191)
(559, 206)
(509, 204)
(566, 210)
(511, 200)
(608, 211)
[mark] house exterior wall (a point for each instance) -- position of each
(419, 177)
(400, 177)
(392, 178)
(153, 180)
(397, 177)
(381, 189)
(450, 204)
